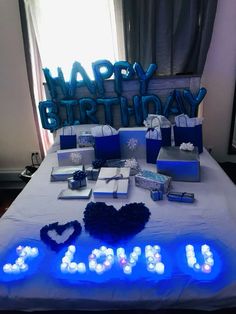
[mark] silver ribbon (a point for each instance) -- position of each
(118, 176)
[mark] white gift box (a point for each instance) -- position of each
(63, 173)
(112, 182)
(126, 136)
(75, 156)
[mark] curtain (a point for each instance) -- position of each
(174, 34)
(35, 75)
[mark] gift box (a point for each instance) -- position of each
(112, 182)
(63, 173)
(156, 195)
(83, 193)
(182, 197)
(178, 164)
(92, 174)
(153, 181)
(78, 180)
(86, 140)
(76, 184)
(68, 140)
(76, 156)
(127, 137)
(130, 163)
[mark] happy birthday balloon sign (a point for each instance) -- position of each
(67, 96)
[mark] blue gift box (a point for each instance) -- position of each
(152, 181)
(76, 184)
(182, 197)
(178, 164)
(92, 174)
(86, 140)
(156, 195)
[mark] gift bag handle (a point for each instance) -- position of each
(63, 132)
(108, 127)
(154, 129)
(185, 119)
(157, 119)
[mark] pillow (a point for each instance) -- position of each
(74, 130)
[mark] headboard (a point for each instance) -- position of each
(120, 102)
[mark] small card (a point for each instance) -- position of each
(83, 193)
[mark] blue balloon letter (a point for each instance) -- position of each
(101, 76)
(144, 77)
(193, 101)
(49, 115)
(119, 76)
(85, 104)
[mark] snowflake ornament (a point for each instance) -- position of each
(76, 158)
(132, 143)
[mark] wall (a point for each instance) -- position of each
(17, 130)
(219, 79)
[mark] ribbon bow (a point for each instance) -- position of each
(116, 177)
(79, 175)
(150, 129)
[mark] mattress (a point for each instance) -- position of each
(210, 220)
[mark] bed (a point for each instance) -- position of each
(210, 220)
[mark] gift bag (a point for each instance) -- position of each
(159, 139)
(68, 141)
(185, 133)
(107, 143)
(153, 145)
(164, 125)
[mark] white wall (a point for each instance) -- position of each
(219, 79)
(17, 130)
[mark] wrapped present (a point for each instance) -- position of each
(130, 163)
(83, 193)
(179, 164)
(78, 180)
(92, 173)
(180, 197)
(112, 182)
(106, 142)
(63, 173)
(132, 142)
(85, 139)
(153, 181)
(76, 156)
(156, 195)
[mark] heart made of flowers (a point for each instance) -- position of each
(60, 229)
(104, 222)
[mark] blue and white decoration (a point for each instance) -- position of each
(154, 262)
(64, 96)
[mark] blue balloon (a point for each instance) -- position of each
(119, 76)
(49, 115)
(146, 100)
(138, 114)
(144, 77)
(77, 68)
(69, 104)
(174, 104)
(193, 101)
(62, 83)
(108, 102)
(88, 109)
(101, 76)
(124, 111)
(51, 85)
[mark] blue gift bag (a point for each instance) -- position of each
(68, 141)
(153, 146)
(107, 147)
(189, 134)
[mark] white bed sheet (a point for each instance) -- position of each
(212, 216)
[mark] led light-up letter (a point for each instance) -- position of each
(208, 259)
(67, 264)
(127, 263)
(154, 259)
(101, 260)
(20, 266)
